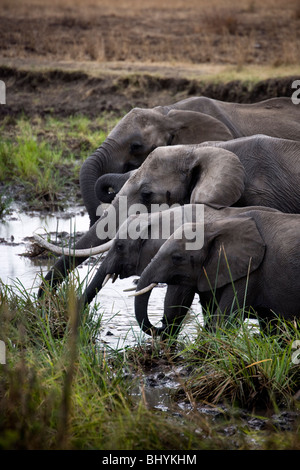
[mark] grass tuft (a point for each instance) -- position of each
(40, 159)
(62, 389)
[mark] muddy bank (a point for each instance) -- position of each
(62, 93)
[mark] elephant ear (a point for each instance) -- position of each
(191, 127)
(235, 248)
(218, 177)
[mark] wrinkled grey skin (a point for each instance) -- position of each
(267, 173)
(190, 121)
(262, 243)
(128, 257)
(255, 170)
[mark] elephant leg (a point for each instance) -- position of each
(268, 322)
(177, 302)
(227, 302)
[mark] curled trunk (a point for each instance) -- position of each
(97, 164)
(108, 185)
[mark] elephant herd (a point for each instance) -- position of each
(227, 171)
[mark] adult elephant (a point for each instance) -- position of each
(136, 243)
(255, 170)
(260, 245)
(189, 121)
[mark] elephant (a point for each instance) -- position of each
(250, 256)
(109, 184)
(256, 170)
(190, 121)
(129, 256)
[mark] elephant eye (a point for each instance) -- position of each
(136, 147)
(119, 246)
(177, 258)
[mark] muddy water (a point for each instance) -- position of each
(119, 327)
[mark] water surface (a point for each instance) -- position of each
(116, 307)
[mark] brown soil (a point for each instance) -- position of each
(83, 56)
(63, 93)
(189, 31)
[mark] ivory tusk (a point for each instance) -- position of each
(143, 291)
(115, 277)
(130, 289)
(96, 250)
(106, 279)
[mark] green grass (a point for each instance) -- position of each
(249, 369)
(61, 388)
(40, 158)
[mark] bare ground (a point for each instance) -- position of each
(88, 57)
(62, 93)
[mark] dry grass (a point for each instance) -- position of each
(190, 31)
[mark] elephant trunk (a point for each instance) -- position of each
(67, 263)
(97, 164)
(108, 185)
(141, 308)
(95, 285)
(101, 232)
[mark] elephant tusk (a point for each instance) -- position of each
(113, 277)
(106, 279)
(130, 289)
(73, 252)
(143, 291)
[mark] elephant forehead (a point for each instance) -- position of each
(169, 155)
(143, 117)
(135, 119)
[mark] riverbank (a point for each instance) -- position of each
(61, 389)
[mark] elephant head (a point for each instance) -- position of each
(136, 136)
(191, 174)
(137, 241)
(173, 175)
(129, 253)
(232, 249)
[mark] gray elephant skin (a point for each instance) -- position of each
(190, 121)
(130, 256)
(263, 254)
(256, 170)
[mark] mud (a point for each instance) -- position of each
(62, 93)
(163, 388)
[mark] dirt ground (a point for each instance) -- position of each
(89, 56)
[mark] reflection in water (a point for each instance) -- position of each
(119, 327)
